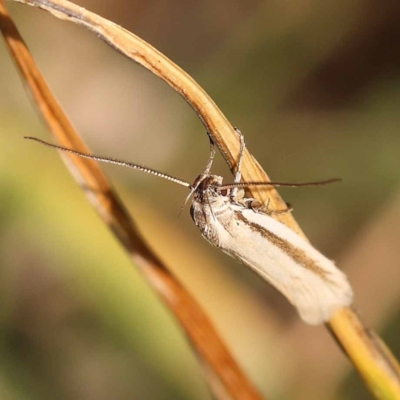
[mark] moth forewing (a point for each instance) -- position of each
(310, 281)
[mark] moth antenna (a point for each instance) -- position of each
(247, 184)
(114, 161)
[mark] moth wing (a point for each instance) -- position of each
(310, 281)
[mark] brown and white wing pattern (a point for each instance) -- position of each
(310, 281)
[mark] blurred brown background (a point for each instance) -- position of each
(315, 88)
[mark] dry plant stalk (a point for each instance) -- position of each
(372, 359)
(223, 373)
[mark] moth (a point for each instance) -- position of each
(240, 227)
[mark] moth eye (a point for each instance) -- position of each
(224, 192)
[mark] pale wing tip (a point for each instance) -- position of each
(322, 309)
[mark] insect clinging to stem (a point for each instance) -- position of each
(240, 227)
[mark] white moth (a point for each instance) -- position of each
(240, 228)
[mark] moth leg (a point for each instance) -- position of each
(257, 206)
(206, 172)
(288, 208)
(238, 174)
(239, 198)
(210, 157)
(267, 210)
(250, 203)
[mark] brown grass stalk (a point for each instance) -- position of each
(223, 373)
(370, 357)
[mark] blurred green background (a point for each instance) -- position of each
(315, 88)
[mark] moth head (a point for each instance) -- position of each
(206, 186)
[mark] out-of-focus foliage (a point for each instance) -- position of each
(315, 88)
